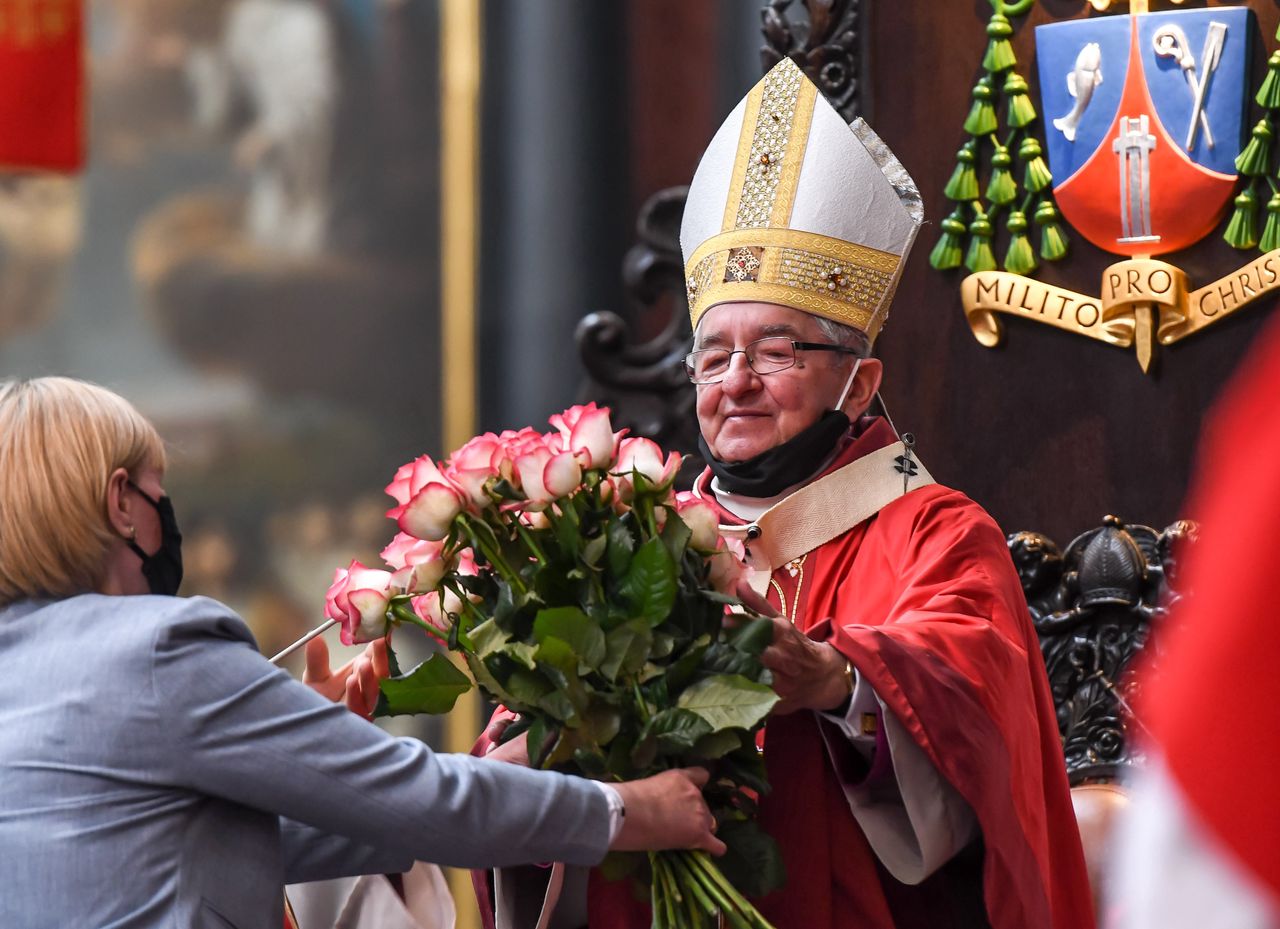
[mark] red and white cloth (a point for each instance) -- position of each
(1199, 847)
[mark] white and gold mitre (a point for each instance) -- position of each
(791, 205)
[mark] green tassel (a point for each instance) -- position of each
(980, 256)
(999, 52)
(1256, 157)
(964, 180)
(948, 252)
(1037, 176)
(1271, 232)
(1021, 109)
(1053, 241)
(1002, 188)
(1242, 231)
(1269, 93)
(1021, 258)
(982, 115)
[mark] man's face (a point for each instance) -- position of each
(746, 413)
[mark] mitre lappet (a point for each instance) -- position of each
(792, 205)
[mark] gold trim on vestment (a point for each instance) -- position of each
(813, 273)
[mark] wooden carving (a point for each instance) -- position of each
(1093, 606)
(826, 44)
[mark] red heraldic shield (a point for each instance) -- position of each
(42, 90)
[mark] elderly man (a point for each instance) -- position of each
(917, 779)
(914, 759)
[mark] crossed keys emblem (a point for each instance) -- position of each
(1171, 42)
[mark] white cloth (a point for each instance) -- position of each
(370, 902)
(1172, 873)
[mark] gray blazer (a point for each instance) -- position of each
(157, 771)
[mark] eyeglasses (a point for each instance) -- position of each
(764, 356)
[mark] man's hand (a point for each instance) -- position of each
(667, 811)
(807, 675)
(355, 683)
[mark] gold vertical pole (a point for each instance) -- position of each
(460, 51)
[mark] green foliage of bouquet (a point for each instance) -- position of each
(590, 598)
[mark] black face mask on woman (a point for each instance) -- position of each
(163, 570)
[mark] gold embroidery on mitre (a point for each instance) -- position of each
(839, 280)
(775, 131)
(743, 264)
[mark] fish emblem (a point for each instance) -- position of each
(1084, 77)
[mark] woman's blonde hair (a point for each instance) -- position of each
(60, 440)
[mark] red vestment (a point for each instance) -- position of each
(924, 600)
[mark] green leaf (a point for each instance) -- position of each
(753, 862)
(675, 730)
(676, 534)
(716, 744)
(728, 701)
(594, 550)
(681, 672)
(529, 687)
(557, 654)
(650, 585)
(626, 649)
(432, 687)
(621, 547)
(488, 638)
(558, 705)
(570, 625)
(492, 687)
(753, 637)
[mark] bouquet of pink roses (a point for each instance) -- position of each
(585, 594)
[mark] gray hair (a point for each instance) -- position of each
(837, 333)
(847, 336)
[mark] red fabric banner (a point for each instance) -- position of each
(42, 85)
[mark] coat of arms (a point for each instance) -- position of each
(1145, 129)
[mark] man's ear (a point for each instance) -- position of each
(865, 385)
(119, 514)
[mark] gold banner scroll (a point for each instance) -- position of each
(1132, 292)
(990, 292)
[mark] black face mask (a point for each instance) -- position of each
(163, 570)
(771, 472)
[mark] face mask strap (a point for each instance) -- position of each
(848, 385)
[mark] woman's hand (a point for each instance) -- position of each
(667, 811)
(355, 683)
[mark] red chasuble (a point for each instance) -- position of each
(924, 600)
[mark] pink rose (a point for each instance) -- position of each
(472, 466)
(701, 519)
(530, 467)
(728, 567)
(411, 478)
(587, 432)
(419, 563)
(428, 609)
(562, 474)
(359, 598)
(637, 455)
(431, 512)
(515, 445)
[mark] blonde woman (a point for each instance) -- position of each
(158, 772)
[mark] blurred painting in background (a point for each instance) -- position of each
(255, 231)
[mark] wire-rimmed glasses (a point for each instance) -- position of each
(764, 356)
